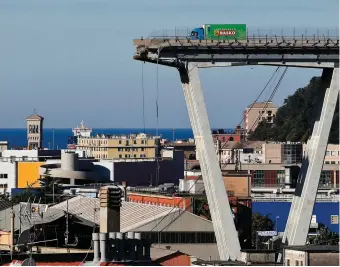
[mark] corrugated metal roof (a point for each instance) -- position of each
(25, 216)
(133, 214)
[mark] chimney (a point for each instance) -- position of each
(120, 244)
(125, 191)
(132, 245)
(110, 203)
(112, 246)
(139, 245)
(95, 238)
(103, 247)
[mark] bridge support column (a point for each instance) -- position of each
(307, 185)
(227, 241)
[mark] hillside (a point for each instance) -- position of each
(294, 119)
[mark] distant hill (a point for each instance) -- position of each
(294, 119)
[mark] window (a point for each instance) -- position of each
(287, 262)
(326, 162)
(332, 162)
(301, 263)
(333, 153)
(296, 263)
(135, 156)
(334, 219)
(142, 149)
(135, 142)
(327, 153)
(127, 142)
(4, 175)
(120, 156)
(142, 142)
(120, 142)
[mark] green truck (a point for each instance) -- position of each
(220, 32)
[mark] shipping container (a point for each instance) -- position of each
(225, 31)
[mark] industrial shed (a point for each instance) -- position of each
(166, 227)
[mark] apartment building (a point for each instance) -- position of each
(254, 114)
(103, 146)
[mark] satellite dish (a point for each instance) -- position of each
(28, 262)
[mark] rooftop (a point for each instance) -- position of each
(123, 136)
(315, 248)
(262, 105)
(133, 215)
(34, 117)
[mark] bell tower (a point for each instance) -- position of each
(34, 131)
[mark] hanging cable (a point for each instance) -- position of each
(270, 98)
(259, 94)
(143, 95)
(157, 90)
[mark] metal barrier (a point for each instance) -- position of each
(254, 32)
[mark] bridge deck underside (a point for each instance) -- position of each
(173, 52)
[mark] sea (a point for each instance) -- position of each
(18, 137)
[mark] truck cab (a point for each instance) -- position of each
(197, 34)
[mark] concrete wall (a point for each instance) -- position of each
(295, 258)
(323, 259)
(272, 153)
(104, 168)
(10, 170)
(240, 186)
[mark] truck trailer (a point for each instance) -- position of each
(220, 32)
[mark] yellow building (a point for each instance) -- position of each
(119, 147)
(28, 174)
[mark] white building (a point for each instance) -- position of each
(8, 176)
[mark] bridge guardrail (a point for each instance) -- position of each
(307, 33)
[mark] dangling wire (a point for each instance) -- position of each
(157, 94)
(143, 93)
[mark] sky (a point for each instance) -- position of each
(71, 60)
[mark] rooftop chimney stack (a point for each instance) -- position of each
(95, 238)
(110, 203)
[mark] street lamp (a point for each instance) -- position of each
(276, 221)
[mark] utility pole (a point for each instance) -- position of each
(53, 138)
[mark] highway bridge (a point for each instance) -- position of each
(306, 51)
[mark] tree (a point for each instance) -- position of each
(294, 120)
(49, 185)
(260, 223)
(325, 237)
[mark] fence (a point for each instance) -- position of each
(254, 32)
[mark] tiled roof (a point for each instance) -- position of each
(133, 214)
(34, 117)
(262, 105)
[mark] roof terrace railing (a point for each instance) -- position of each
(253, 32)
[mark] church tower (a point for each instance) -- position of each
(34, 131)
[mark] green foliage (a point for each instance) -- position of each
(294, 120)
(260, 223)
(49, 186)
(46, 183)
(325, 237)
